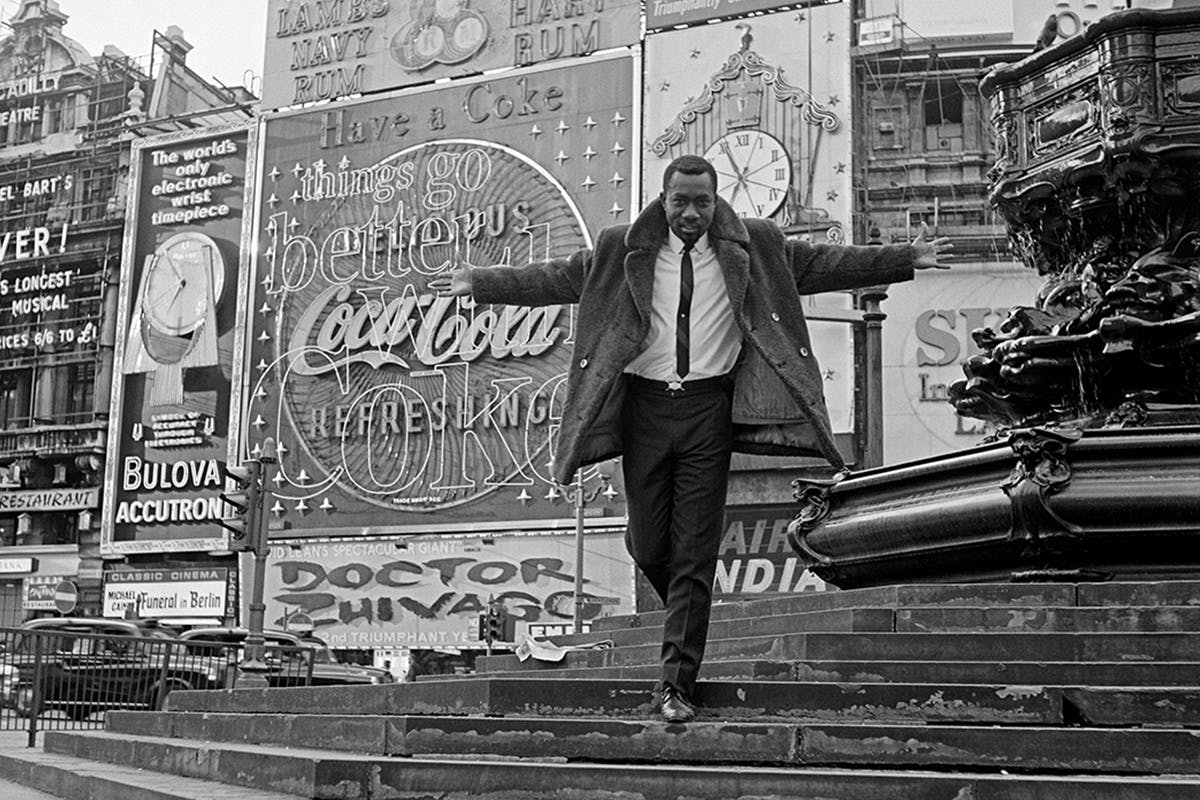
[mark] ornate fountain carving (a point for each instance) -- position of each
(1095, 387)
(1097, 174)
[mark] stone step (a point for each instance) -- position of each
(1154, 593)
(76, 778)
(1093, 750)
(837, 620)
(1031, 673)
(1000, 704)
(938, 594)
(1055, 749)
(1097, 750)
(1032, 619)
(1051, 673)
(320, 774)
(1083, 647)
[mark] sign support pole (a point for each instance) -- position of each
(254, 668)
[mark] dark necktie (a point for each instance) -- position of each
(683, 321)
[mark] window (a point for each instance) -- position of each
(943, 105)
(15, 398)
(74, 388)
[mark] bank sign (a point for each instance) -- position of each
(387, 401)
(174, 395)
(323, 49)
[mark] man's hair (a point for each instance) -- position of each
(689, 165)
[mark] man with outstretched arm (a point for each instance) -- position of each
(691, 343)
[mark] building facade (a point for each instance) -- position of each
(66, 120)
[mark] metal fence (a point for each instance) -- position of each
(51, 680)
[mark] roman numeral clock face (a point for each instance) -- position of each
(753, 171)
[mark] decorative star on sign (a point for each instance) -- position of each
(272, 201)
(274, 173)
(615, 210)
(833, 100)
(829, 37)
(295, 197)
(831, 195)
(258, 422)
(345, 162)
(325, 506)
(302, 506)
(839, 168)
(535, 131)
(695, 52)
(563, 127)
(664, 86)
(589, 154)
(561, 157)
(589, 123)
(319, 165)
(296, 170)
(525, 497)
(617, 119)
(617, 149)
(799, 18)
(829, 374)
(278, 479)
(616, 179)
(588, 183)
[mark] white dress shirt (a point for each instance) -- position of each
(715, 341)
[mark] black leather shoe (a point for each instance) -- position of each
(675, 707)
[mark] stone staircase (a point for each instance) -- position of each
(946, 692)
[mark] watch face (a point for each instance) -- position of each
(753, 171)
(185, 272)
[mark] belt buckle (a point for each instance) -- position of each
(674, 387)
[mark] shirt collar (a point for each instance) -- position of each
(676, 244)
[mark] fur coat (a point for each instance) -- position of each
(778, 399)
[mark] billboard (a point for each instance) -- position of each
(179, 334)
(389, 402)
(201, 593)
(324, 49)
(428, 592)
(767, 100)
(669, 13)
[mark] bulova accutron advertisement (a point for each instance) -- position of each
(176, 386)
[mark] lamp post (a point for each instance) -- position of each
(254, 668)
(580, 497)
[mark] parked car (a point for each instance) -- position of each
(283, 648)
(81, 665)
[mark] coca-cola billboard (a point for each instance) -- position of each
(388, 401)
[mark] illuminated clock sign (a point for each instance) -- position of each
(383, 397)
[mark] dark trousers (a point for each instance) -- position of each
(677, 449)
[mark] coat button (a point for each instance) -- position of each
(583, 363)
(804, 352)
(775, 317)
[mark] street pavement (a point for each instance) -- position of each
(15, 791)
(14, 742)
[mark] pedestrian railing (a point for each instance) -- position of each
(56, 681)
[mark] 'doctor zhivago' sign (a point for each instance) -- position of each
(386, 399)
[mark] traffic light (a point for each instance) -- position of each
(244, 497)
(495, 624)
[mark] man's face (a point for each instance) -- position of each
(690, 202)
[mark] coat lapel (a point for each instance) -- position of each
(644, 239)
(731, 240)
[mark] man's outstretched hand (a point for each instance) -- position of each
(926, 252)
(457, 284)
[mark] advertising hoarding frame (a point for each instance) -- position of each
(397, 99)
(218, 540)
